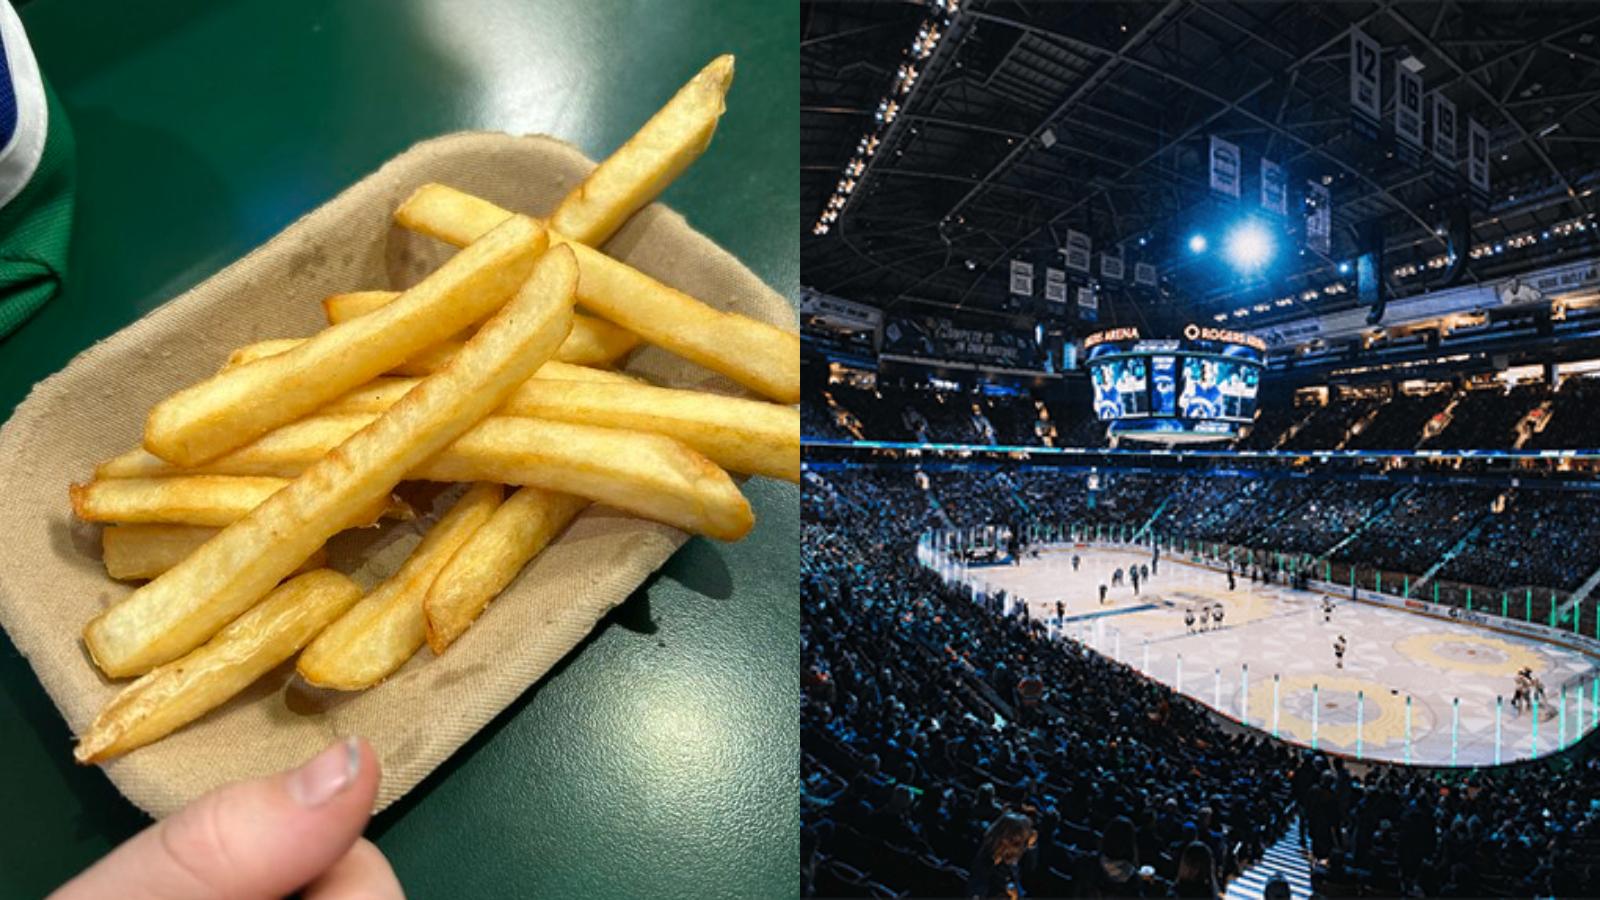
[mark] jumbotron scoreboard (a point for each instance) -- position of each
(1198, 387)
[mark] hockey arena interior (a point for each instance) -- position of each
(1201, 435)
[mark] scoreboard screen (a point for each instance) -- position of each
(1197, 387)
(1121, 388)
(1218, 389)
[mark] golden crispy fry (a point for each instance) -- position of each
(249, 353)
(444, 213)
(645, 474)
(439, 355)
(175, 694)
(189, 603)
(593, 342)
(747, 436)
(141, 552)
(183, 499)
(492, 557)
(762, 357)
(344, 307)
(425, 363)
(642, 168)
(759, 356)
(381, 393)
(281, 454)
(236, 406)
(377, 636)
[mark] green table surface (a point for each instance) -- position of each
(660, 758)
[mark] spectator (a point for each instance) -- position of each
(1197, 877)
(996, 869)
(1115, 872)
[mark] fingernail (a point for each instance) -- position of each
(326, 774)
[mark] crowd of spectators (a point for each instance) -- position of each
(1399, 421)
(1491, 539)
(1571, 417)
(1488, 418)
(944, 748)
(1481, 418)
(954, 748)
(1328, 426)
(1417, 529)
(1543, 539)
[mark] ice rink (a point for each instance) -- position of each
(1276, 635)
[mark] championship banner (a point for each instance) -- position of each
(1408, 112)
(938, 338)
(1077, 252)
(1319, 218)
(839, 312)
(1478, 159)
(1225, 167)
(1021, 278)
(1111, 267)
(1444, 132)
(1274, 188)
(1144, 274)
(1055, 286)
(1366, 99)
(1088, 304)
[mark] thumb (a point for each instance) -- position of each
(254, 839)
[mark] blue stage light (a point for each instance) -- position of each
(1344, 268)
(1249, 246)
(1197, 243)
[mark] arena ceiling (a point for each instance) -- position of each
(1030, 118)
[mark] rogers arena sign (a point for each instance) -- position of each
(1129, 333)
(1222, 335)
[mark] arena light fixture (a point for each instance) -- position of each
(1249, 246)
(889, 107)
(1344, 268)
(1197, 243)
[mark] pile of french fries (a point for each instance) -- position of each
(484, 373)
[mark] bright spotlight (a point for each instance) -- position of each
(1197, 243)
(1344, 268)
(1249, 246)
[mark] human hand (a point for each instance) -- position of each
(294, 831)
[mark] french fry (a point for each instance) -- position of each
(642, 168)
(344, 307)
(425, 363)
(747, 436)
(141, 552)
(759, 356)
(214, 500)
(177, 693)
(492, 557)
(192, 601)
(249, 353)
(593, 342)
(646, 474)
(446, 214)
(431, 360)
(381, 393)
(377, 636)
(238, 405)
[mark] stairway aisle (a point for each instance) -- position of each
(1286, 857)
